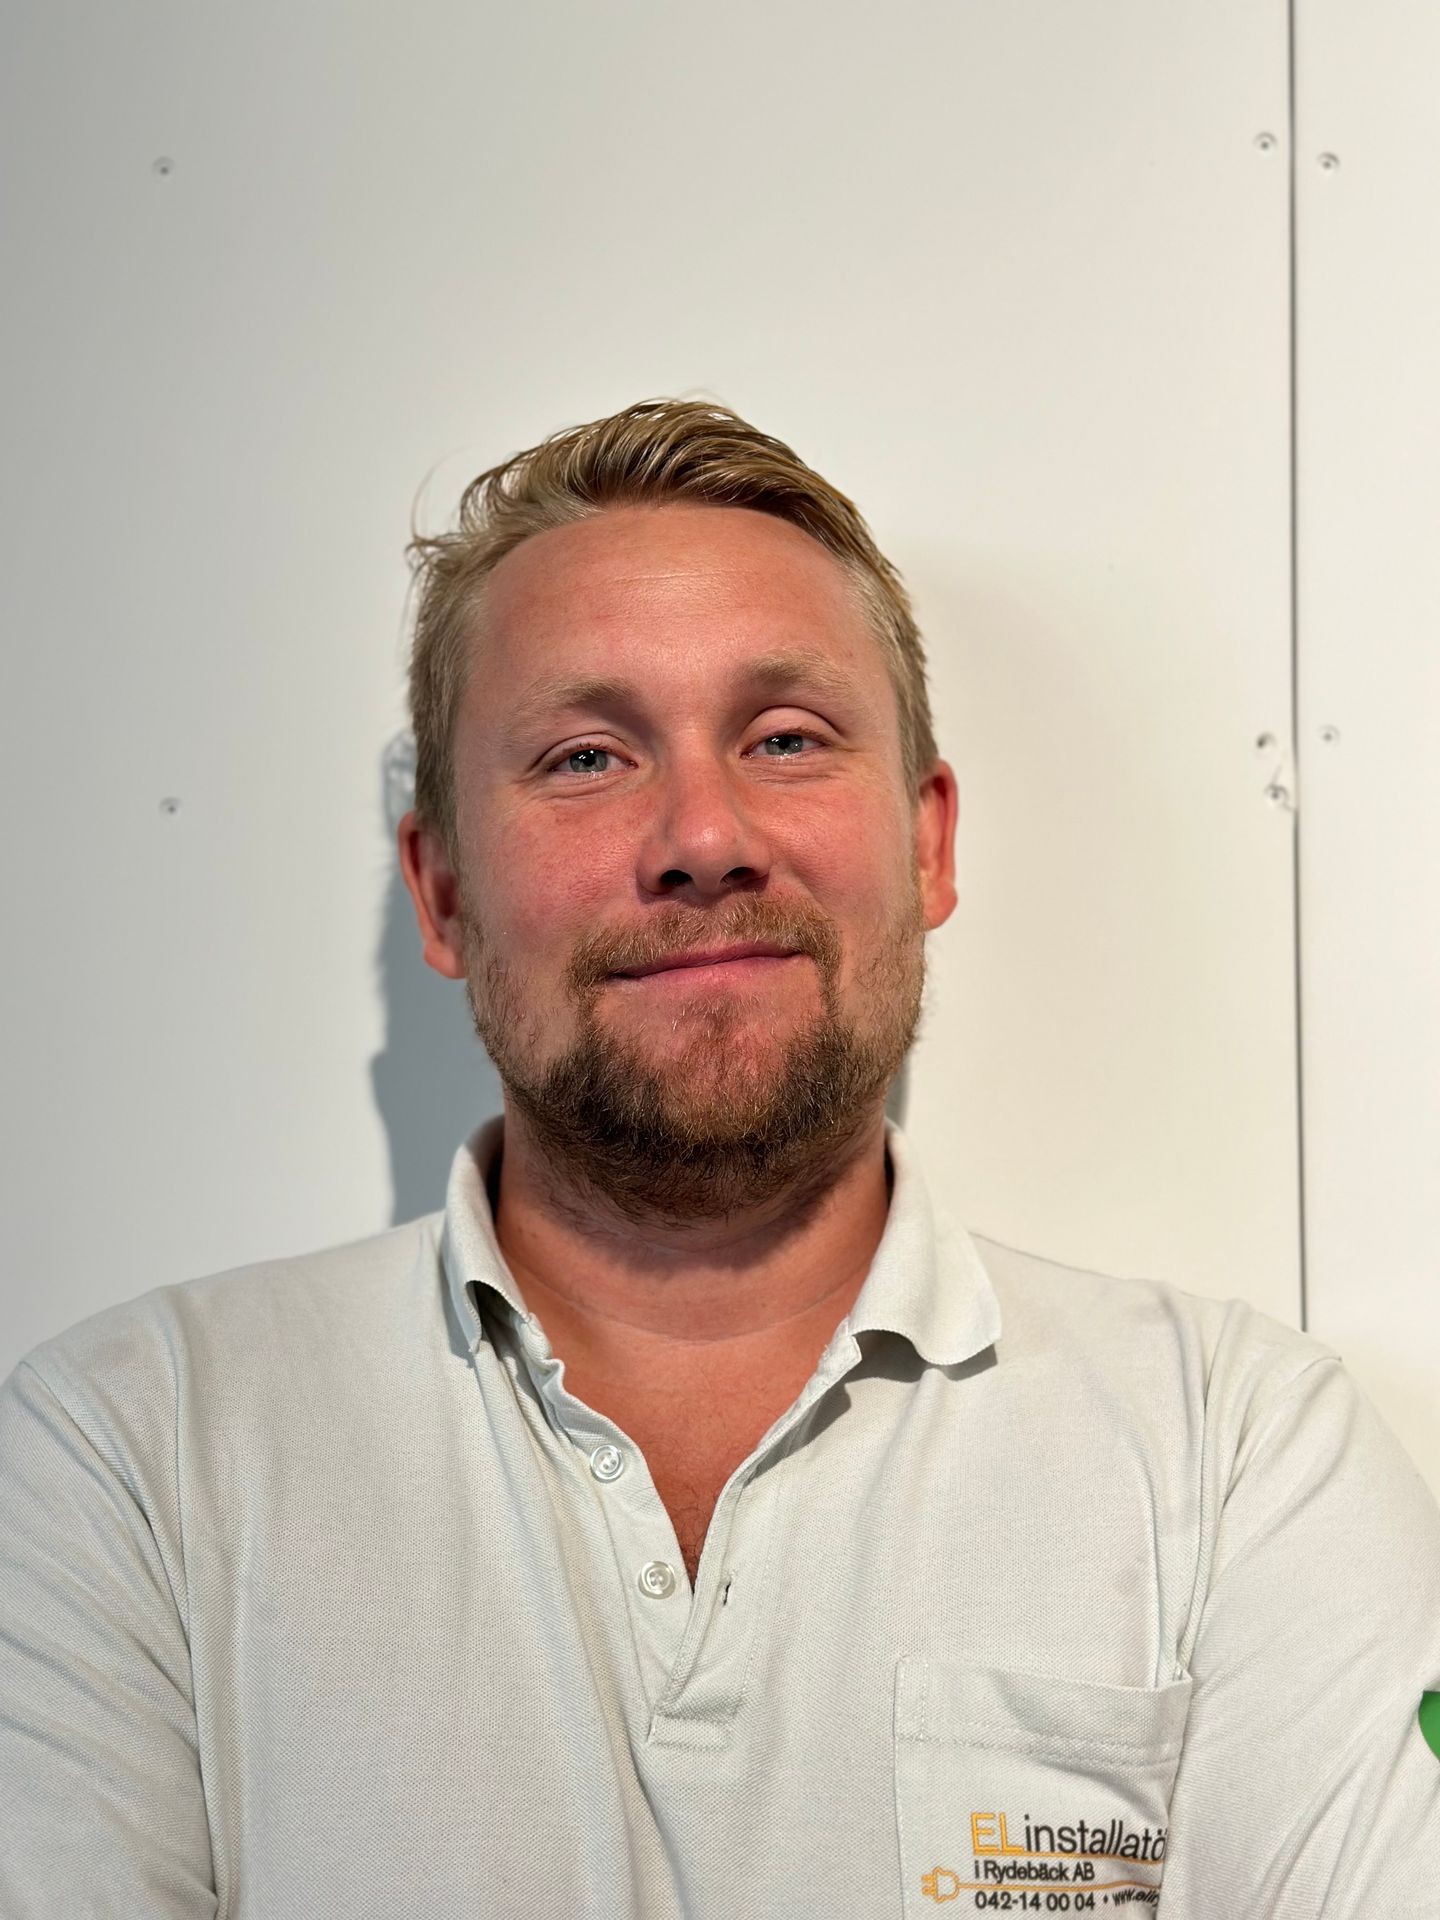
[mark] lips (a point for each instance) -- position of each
(710, 957)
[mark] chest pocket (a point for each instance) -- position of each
(1026, 1793)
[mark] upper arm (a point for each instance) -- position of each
(99, 1762)
(1306, 1789)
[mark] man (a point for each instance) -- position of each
(690, 1519)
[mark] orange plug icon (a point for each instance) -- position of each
(931, 1883)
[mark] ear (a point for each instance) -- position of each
(435, 891)
(937, 809)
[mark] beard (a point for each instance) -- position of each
(734, 1119)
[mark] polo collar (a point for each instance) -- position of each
(926, 1281)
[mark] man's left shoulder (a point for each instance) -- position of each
(1144, 1328)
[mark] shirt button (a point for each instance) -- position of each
(657, 1578)
(607, 1462)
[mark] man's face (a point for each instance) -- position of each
(678, 734)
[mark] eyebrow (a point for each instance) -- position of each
(796, 669)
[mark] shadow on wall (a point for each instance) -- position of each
(433, 1081)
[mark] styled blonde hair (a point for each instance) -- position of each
(653, 453)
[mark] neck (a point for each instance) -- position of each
(618, 1297)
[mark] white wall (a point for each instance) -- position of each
(1367, 505)
(1017, 277)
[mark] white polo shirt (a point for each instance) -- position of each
(320, 1595)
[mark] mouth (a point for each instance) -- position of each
(732, 965)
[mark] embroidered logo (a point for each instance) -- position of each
(1092, 1860)
(1430, 1721)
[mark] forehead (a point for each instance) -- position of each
(680, 584)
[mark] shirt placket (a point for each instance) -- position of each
(690, 1645)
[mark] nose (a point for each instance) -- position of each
(703, 833)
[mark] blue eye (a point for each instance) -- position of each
(788, 735)
(579, 753)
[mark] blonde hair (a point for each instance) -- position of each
(653, 453)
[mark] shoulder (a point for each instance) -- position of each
(129, 1370)
(1258, 1415)
(1138, 1334)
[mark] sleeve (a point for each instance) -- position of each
(1307, 1788)
(104, 1812)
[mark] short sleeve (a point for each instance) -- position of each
(1306, 1788)
(99, 1768)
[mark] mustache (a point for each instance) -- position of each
(617, 950)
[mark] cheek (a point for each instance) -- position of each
(867, 892)
(861, 855)
(546, 885)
